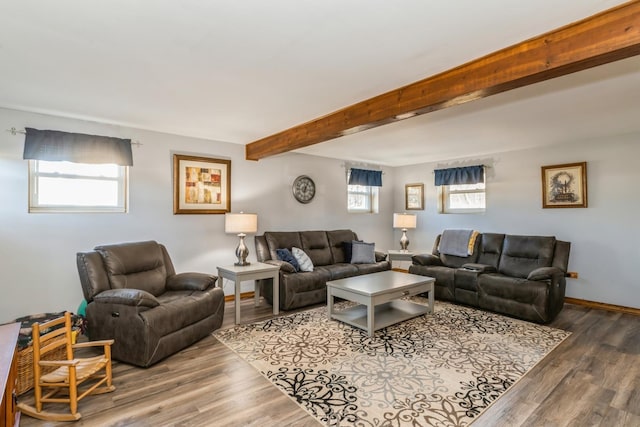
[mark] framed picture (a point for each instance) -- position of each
(201, 185)
(414, 197)
(564, 186)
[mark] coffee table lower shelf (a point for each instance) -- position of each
(386, 314)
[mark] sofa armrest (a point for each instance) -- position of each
(380, 256)
(132, 297)
(546, 273)
(426, 259)
(480, 268)
(284, 265)
(190, 282)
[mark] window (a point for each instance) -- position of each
(362, 199)
(363, 188)
(462, 198)
(77, 187)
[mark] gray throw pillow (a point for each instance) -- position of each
(363, 253)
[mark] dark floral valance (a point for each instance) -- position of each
(365, 177)
(54, 145)
(457, 176)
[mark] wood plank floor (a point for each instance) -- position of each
(591, 379)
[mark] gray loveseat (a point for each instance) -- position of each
(520, 276)
(327, 252)
(135, 297)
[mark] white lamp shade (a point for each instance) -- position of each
(240, 223)
(404, 220)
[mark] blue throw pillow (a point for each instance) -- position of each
(286, 255)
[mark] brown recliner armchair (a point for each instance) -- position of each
(135, 297)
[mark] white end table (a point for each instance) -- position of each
(400, 255)
(253, 271)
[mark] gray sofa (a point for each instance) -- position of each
(520, 276)
(327, 252)
(135, 297)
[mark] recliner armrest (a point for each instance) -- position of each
(380, 256)
(190, 282)
(480, 268)
(546, 273)
(426, 259)
(284, 265)
(132, 297)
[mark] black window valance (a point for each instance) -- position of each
(457, 176)
(365, 177)
(76, 147)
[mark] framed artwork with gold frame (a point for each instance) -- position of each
(414, 197)
(201, 185)
(564, 186)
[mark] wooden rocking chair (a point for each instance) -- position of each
(68, 374)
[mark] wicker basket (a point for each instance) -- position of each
(25, 366)
(25, 347)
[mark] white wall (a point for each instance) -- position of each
(605, 236)
(38, 251)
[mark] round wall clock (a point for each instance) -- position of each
(304, 189)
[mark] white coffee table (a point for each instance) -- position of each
(379, 297)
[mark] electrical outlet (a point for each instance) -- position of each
(573, 274)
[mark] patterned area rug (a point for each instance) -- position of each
(441, 369)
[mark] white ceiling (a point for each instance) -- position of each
(237, 71)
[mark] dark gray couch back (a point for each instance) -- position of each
(136, 265)
(280, 240)
(523, 254)
(336, 243)
(323, 247)
(490, 249)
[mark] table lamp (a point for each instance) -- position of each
(242, 224)
(404, 221)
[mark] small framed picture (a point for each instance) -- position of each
(564, 186)
(201, 185)
(414, 197)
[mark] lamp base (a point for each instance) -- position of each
(242, 252)
(404, 240)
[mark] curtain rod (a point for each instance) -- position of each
(454, 167)
(13, 131)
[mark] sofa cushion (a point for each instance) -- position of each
(303, 259)
(490, 249)
(340, 271)
(306, 281)
(372, 268)
(179, 309)
(523, 254)
(512, 288)
(362, 253)
(337, 239)
(137, 265)
(281, 239)
(316, 245)
(287, 256)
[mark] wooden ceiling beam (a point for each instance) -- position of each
(609, 36)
